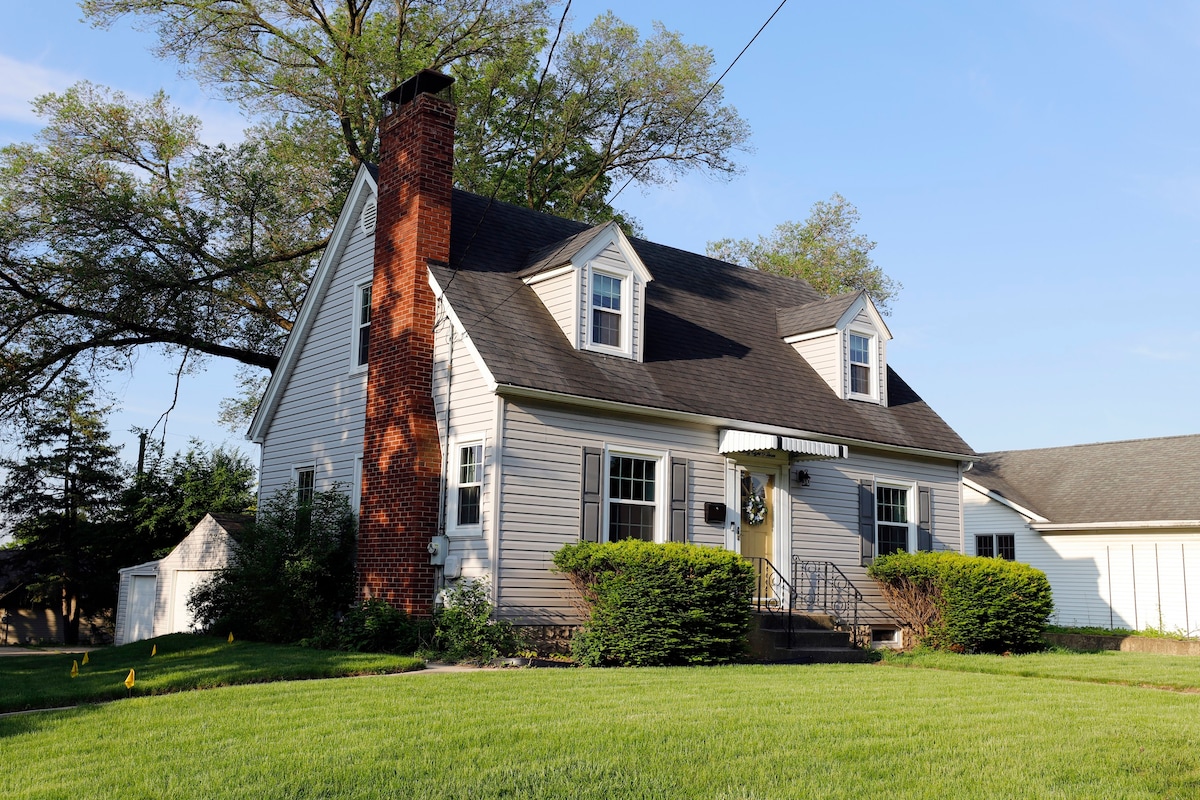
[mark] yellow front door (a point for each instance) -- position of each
(758, 520)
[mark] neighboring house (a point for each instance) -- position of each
(24, 620)
(152, 598)
(1115, 526)
(516, 382)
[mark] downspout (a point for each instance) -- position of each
(439, 581)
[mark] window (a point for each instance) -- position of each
(362, 325)
(860, 364)
(892, 520)
(470, 484)
(606, 310)
(1002, 545)
(631, 498)
(305, 487)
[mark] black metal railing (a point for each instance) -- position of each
(773, 594)
(819, 586)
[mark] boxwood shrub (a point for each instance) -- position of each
(659, 604)
(966, 604)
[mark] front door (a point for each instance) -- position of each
(758, 524)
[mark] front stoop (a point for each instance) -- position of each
(814, 641)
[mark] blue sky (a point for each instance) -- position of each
(1031, 173)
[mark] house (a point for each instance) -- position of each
(493, 383)
(152, 598)
(26, 619)
(1115, 526)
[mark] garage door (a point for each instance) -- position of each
(140, 615)
(182, 619)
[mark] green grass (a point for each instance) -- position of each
(839, 731)
(183, 662)
(1108, 666)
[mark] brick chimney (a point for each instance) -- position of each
(402, 461)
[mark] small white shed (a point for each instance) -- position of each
(1115, 526)
(152, 599)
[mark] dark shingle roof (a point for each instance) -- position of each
(1131, 481)
(559, 253)
(711, 344)
(814, 316)
(233, 524)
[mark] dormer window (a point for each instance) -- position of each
(606, 310)
(860, 365)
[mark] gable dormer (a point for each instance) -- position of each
(594, 285)
(845, 340)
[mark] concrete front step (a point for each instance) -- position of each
(812, 641)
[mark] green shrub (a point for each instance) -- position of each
(373, 626)
(659, 604)
(466, 629)
(966, 604)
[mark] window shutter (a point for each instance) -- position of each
(679, 486)
(589, 506)
(924, 518)
(866, 518)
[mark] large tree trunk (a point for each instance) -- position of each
(70, 616)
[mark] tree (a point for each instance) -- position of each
(164, 503)
(824, 250)
(120, 230)
(292, 571)
(59, 500)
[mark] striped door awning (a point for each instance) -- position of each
(735, 441)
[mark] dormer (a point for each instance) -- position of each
(594, 285)
(845, 340)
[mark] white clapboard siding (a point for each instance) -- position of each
(558, 295)
(540, 495)
(825, 514)
(822, 354)
(1127, 579)
(611, 258)
(319, 419)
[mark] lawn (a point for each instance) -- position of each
(836, 731)
(183, 662)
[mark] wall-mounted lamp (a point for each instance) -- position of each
(801, 477)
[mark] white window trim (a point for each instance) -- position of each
(873, 364)
(456, 443)
(662, 459)
(911, 499)
(627, 312)
(355, 327)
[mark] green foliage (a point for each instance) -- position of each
(823, 250)
(976, 605)
(292, 571)
(659, 604)
(373, 626)
(465, 628)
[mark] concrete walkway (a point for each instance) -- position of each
(17, 650)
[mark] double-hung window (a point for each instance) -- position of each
(632, 497)
(362, 325)
(892, 520)
(860, 365)
(607, 320)
(306, 480)
(1002, 545)
(469, 491)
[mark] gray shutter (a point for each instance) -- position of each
(679, 498)
(866, 518)
(924, 518)
(590, 499)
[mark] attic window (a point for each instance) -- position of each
(860, 364)
(606, 310)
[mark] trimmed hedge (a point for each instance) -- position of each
(967, 604)
(659, 604)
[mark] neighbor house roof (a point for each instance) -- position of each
(712, 346)
(1141, 480)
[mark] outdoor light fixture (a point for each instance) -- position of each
(801, 477)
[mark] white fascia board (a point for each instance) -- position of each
(548, 274)
(612, 234)
(508, 390)
(864, 303)
(1004, 501)
(363, 182)
(1092, 527)
(440, 294)
(803, 337)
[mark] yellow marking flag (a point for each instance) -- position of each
(74, 669)
(85, 658)
(231, 637)
(154, 651)
(129, 680)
